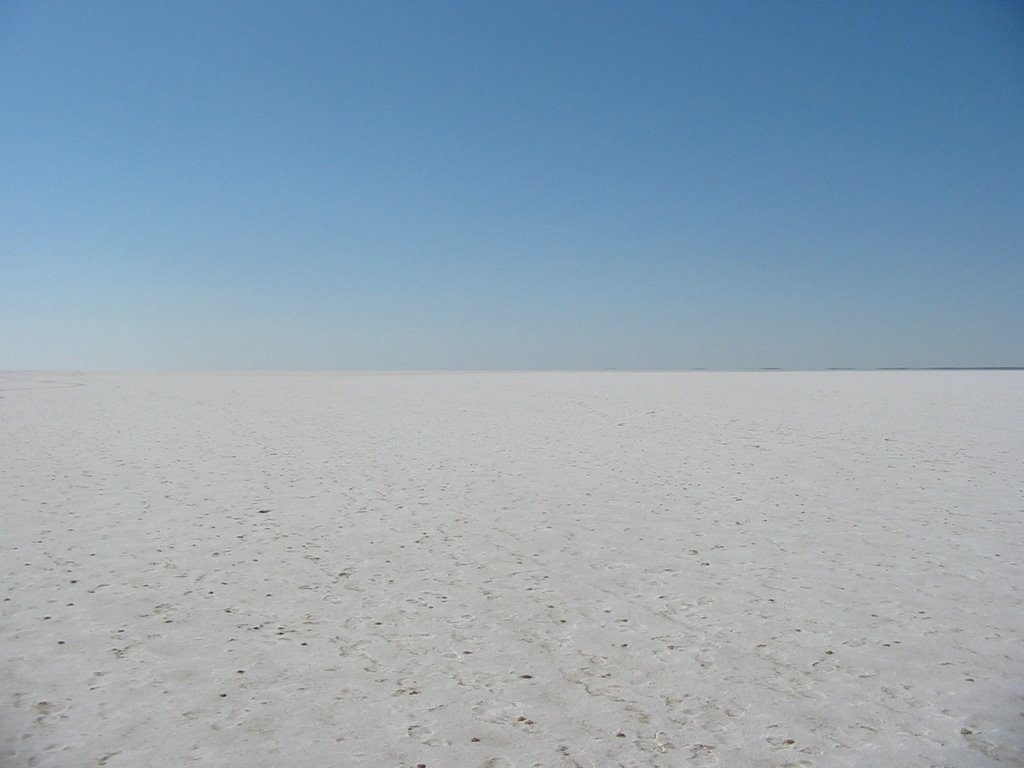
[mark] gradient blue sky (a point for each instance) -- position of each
(215, 185)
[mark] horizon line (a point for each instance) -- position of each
(242, 371)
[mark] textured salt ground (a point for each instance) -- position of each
(577, 569)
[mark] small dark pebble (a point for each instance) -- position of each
(966, 731)
(475, 738)
(421, 765)
(828, 653)
(520, 718)
(60, 642)
(621, 735)
(262, 511)
(526, 677)
(223, 695)
(789, 741)
(529, 722)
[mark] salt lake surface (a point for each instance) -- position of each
(512, 569)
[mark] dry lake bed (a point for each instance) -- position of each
(488, 570)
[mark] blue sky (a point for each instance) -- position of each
(217, 185)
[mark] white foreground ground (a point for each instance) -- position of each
(487, 570)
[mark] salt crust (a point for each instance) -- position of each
(512, 569)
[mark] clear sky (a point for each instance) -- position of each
(409, 185)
